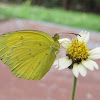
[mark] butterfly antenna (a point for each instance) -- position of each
(69, 33)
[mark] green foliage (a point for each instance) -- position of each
(51, 3)
(27, 2)
(97, 1)
(78, 5)
(59, 16)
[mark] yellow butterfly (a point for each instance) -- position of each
(29, 54)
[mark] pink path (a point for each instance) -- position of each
(55, 85)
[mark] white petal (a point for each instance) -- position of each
(94, 57)
(75, 70)
(87, 37)
(95, 51)
(64, 62)
(94, 64)
(88, 64)
(83, 36)
(82, 70)
(65, 42)
(55, 63)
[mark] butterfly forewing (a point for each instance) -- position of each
(28, 54)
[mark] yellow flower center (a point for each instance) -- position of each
(77, 50)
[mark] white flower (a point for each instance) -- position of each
(78, 57)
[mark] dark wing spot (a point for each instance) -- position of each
(39, 44)
(32, 55)
(21, 38)
(29, 52)
(46, 54)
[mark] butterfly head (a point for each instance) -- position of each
(56, 37)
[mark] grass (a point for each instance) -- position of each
(56, 15)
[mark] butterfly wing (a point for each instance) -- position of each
(29, 54)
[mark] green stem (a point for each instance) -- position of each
(74, 87)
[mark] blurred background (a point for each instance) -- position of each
(77, 13)
(51, 16)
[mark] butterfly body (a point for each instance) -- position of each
(28, 54)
